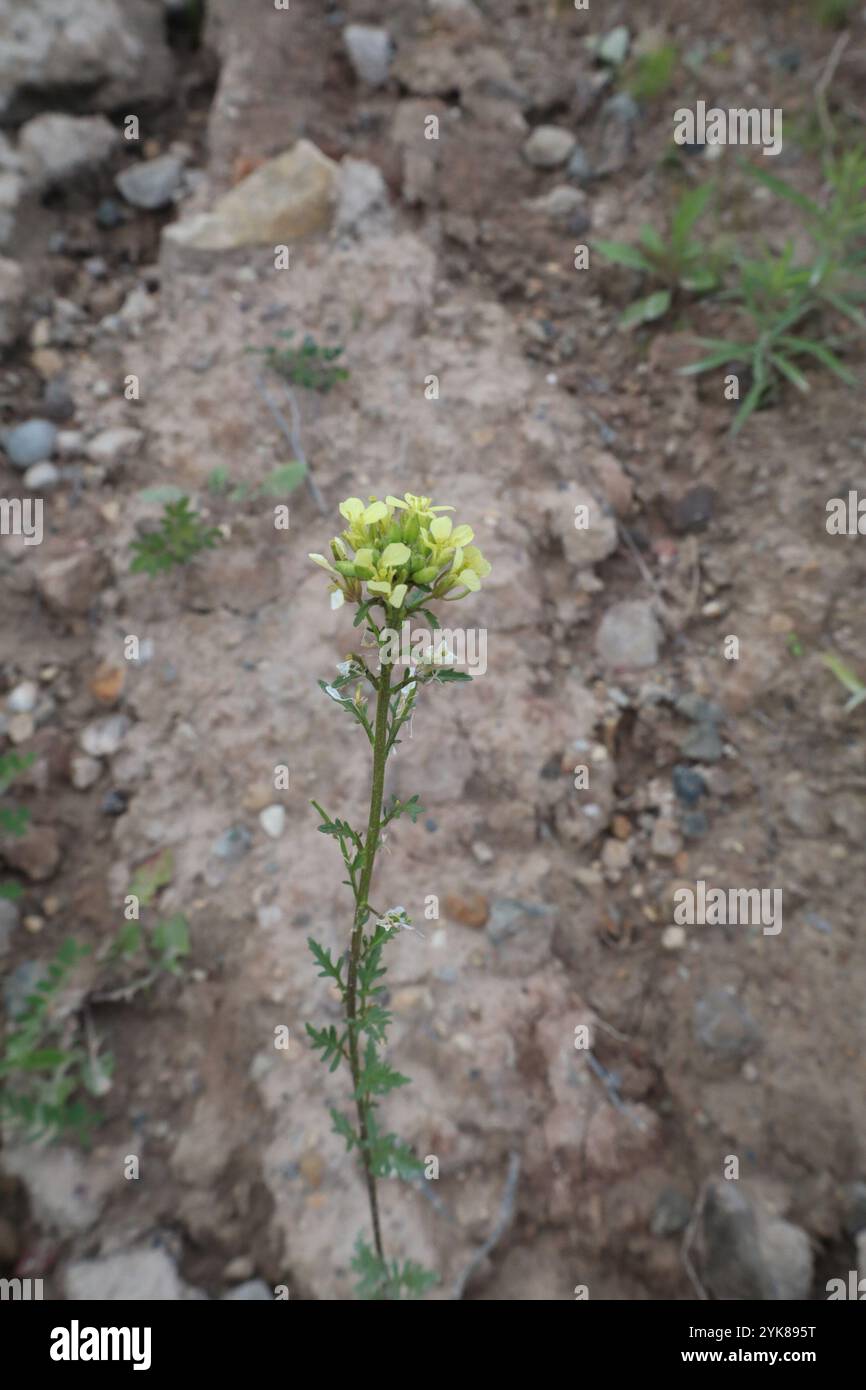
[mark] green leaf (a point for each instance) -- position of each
(327, 968)
(283, 481)
(783, 189)
(688, 210)
(788, 370)
(622, 253)
(447, 677)
(151, 875)
(411, 808)
(171, 941)
(381, 1280)
(377, 1077)
(646, 310)
(821, 354)
(345, 1130)
(164, 492)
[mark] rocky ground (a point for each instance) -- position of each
(153, 259)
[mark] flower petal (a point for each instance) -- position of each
(470, 579)
(394, 555)
(377, 511)
(440, 528)
(398, 593)
(352, 509)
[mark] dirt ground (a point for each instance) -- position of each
(556, 904)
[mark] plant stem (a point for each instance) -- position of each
(383, 688)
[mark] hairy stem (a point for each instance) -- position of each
(383, 688)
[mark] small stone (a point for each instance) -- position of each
(666, 842)
(613, 46)
(253, 1291)
(57, 399)
(699, 710)
(579, 166)
(689, 785)
(30, 443)
(104, 737)
(22, 699)
(57, 148)
(563, 204)
(33, 924)
(471, 911)
(144, 1274)
(674, 938)
(70, 443)
(548, 146)
(693, 511)
(151, 183)
(36, 853)
(481, 853)
(69, 586)
(617, 119)
(47, 362)
(273, 821)
(240, 1268)
(106, 683)
(233, 844)
(702, 744)
(621, 827)
(283, 200)
(671, 1214)
(21, 728)
(369, 49)
(694, 824)
(84, 771)
(628, 636)
(114, 803)
(724, 1026)
(42, 477)
(110, 214)
(363, 205)
(114, 446)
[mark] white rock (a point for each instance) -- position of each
(549, 145)
(23, 698)
(70, 444)
(363, 206)
(674, 938)
(58, 148)
(84, 771)
(151, 183)
(369, 50)
(133, 1276)
(42, 477)
(273, 820)
(628, 636)
(114, 446)
(112, 52)
(561, 204)
(104, 736)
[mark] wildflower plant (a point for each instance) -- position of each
(393, 560)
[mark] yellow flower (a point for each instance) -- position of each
(403, 552)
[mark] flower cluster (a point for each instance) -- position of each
(395, 546)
